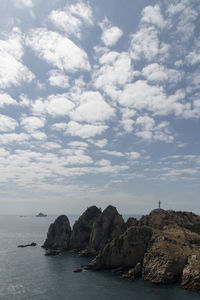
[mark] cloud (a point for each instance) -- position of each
(32, 124)
(54, 105)
(113, 153)
(58, 50)
(152, 15)
(99, 143)
(145, 44)
(12, 70)
(22, 3)
(115, 71)
(6, 99)
(82, 10)
(72, 19)
(133, 155)
(148, 131)
(93, 108)
(127, 122)
(111, 34)
(160, 74)
(11, 138)
(59, 79)
(84, 130)
(7, 123)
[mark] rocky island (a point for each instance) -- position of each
(162, 247)
(41, 215)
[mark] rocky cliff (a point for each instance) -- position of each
(59, 234)
(125, 250)
(107, 226)
(83, 227)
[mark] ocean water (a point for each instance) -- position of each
(25, 273)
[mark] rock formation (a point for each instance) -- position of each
(82, 228)
(107, 226)
(191, 275)
(59, 234)
(125, 251)
(162, 247)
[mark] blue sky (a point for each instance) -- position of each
(99, 104)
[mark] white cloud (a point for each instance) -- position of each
(31, 124)
(6, 99)
(145, 43)
(54, 105)
(84, 130)
(158, 73)
(127, 122)
(58, 50)
(99, 143)
(11, 138)
(12, 69)
(7, 123)
(59, 79)
(93, 108)
(148, 131)
(113, 153)
(115, 72)
(67, 22)
(22, 3)
(111, 34)
(24, 100)
(152, 15)
(193, 57)
(83, 11)
(72, 19)
(78, 144)
(133, 155)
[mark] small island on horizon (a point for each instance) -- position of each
(162, 247)
(41, 215)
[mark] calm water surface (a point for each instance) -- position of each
(25, 273)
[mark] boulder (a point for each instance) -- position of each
(51, 252)
(27, 245)
(125, 251)
(59, 234)
(82, 228)
(191, 276)
(107, 226)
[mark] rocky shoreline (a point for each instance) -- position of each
(162, 247)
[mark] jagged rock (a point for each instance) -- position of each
(28, 245)
(107, 226)
(131, 222)
(59, 234)
(134, 272)
(124, 251)
(159, 218)
(82, 228)
(191, 276)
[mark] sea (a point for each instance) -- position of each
(26, 274)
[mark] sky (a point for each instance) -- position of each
(99, 105)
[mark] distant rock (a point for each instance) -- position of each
(41, 215)
(125, 251)
(106, 227)
(59, 234)
(131, 222)
(27, 245)
(82, 228)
